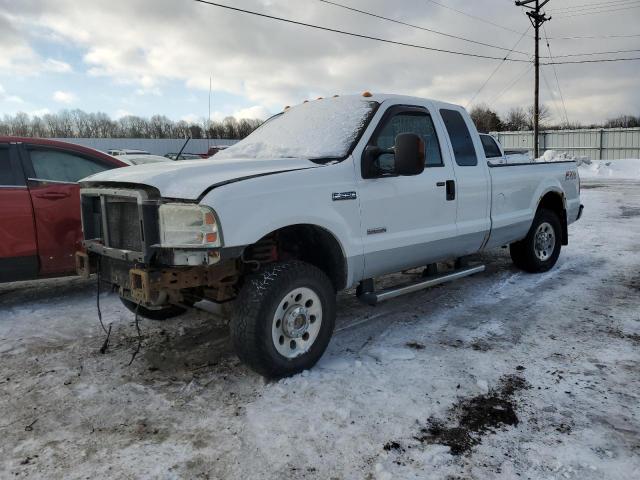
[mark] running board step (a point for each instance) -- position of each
(373, 298)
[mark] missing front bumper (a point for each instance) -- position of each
(159, 286)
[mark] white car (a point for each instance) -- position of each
(126, 151)
(136, 159)
(327, 195)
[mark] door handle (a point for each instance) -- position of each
(440, 184)
(52, 195)
(451, 190)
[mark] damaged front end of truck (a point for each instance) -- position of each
(153, 252)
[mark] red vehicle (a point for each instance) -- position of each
(40, 228)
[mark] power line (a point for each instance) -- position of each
(553, 97)
(595, 37)
(603, 60)
(497, 68)
(394, 42)
(596, 13)
(357, 35)
(399, 22)
(574, 9)
(474, 17)
(555, 72)
(592, 6)
(593, 53)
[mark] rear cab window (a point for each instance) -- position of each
(491, 149)
(461, 141)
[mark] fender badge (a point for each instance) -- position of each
(337, 196)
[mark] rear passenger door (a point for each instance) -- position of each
(53, 176)
(472, 181)
(18, 248)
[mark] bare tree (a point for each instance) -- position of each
(516, 120)
(485, 119)
(544, 115)
(77, 123)
(20, 124)
(623, 121)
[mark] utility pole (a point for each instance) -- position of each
(209, 119)
(537, 19)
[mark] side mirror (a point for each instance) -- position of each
(409, 154)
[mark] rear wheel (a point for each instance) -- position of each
(161, 313)
(540, 249)
(284, 318)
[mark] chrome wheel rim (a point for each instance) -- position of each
(545, 241)
(296, 322)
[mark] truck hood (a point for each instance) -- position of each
(190, 179)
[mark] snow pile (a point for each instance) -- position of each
(555, 156)
(320, 129)
(620, 169)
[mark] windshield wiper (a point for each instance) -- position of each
(325, 160)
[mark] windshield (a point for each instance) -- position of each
(322, 129)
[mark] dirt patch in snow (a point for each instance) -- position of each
(617, 333)
(416, 345)
(633, 284)
(475, 417)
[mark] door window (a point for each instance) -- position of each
(490, 146)
(6, 172)
(61, 166)
(409, 122)
(461, 141)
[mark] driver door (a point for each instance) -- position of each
(408, 221)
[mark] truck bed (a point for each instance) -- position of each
(516, 189)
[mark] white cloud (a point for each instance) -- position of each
(18, 56)
(257, 111)
(64, 97)
(270, 64)
(5, 97)
(121, 113)
(40, 112)
(192, 118)
(56, 66)
(149, 91)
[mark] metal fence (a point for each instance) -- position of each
(160, 146)
(600, 144)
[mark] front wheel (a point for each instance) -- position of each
(284, 318)
(540, 249)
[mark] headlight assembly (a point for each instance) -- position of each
(188, 226)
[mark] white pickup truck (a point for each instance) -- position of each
(324, 196)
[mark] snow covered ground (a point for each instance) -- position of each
(502, 375)
(610, 169)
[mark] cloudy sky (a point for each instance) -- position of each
(156, 56)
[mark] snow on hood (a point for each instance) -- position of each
(188, 179)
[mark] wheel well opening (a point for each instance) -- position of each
(553, 201)
(308, 243)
